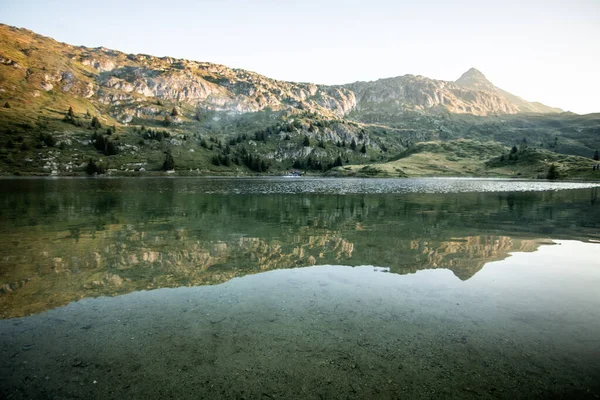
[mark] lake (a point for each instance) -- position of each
(308, 288)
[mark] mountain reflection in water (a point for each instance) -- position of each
(65, 240)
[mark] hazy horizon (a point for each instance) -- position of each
(541, 51)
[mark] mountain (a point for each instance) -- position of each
(129, 85)
(33, 64)
(57, 96)
(472, 93)
(474, 79)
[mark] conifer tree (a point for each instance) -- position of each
(552, 173)
(96, 123)
(169, 163)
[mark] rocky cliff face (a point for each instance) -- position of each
(127, 85)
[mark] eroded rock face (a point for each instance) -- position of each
(231, 90)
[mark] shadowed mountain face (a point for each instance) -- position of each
(70, 239)
(37, 69)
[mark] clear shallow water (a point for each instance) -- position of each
(203, 288)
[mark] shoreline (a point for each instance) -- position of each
(310, 176)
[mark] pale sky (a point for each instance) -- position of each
(547, 51)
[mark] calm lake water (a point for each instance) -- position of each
(299, 288)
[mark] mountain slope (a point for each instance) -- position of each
(474, 79)
(33, 66)
(465, 157)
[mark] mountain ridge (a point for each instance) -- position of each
(472, 93)
(219, 87)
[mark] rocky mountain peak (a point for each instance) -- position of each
(474, 78)
(473, 73)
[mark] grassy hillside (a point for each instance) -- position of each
(64, 145)
(564, 133)
(464, 157)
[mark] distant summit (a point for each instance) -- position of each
(472, 93)
(475, 79)
(472, 73)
